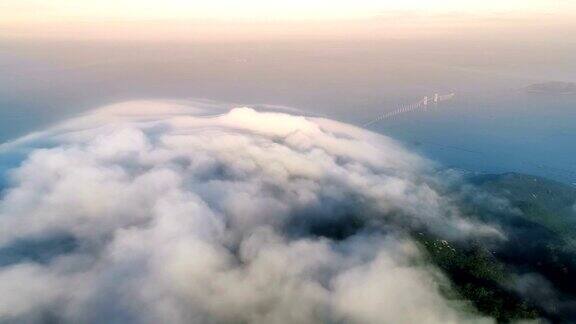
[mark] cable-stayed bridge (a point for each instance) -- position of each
(422, 105)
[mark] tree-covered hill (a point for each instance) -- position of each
(530, 273)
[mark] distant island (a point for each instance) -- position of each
(553, 87)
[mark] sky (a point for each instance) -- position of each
(94, 10)
(132, 18)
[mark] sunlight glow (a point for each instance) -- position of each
(263, 10)
(217, 20)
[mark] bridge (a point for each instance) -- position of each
(424, 103)
(420, 105)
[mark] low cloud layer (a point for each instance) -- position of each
(151, 212)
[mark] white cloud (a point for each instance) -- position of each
(181, 217)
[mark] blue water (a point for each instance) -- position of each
(518, 132)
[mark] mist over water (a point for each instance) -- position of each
(277, 162)
(491, 126)
(243, 181)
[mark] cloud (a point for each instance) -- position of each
(180, 216)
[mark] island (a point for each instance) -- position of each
(553, 88)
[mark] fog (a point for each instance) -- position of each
(155, 211)
(44, 81)
(233, 180)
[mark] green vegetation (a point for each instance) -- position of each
(545, 202)
(540, 230)
(477, 276)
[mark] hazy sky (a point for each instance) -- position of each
(19, 11)
(212, 19)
